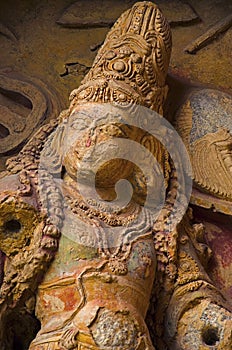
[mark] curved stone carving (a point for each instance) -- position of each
(219, 146)
(204, 123)
(26, 106)
(132, 69)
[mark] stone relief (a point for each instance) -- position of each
(25, 105)
(151, 291)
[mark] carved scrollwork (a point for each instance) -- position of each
(204, 123)
(24, 106)
(132, 68)
(206, 170)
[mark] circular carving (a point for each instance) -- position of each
(110, 55)
(115, 330)
(24, 105)
(27, 109)
(17, 223)
(119, 66)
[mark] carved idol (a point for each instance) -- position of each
(90, 268)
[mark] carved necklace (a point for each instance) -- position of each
(112, 228)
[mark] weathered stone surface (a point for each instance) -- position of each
(204, 123)
(59, 46)
(91, 14)
(210, 35)
(178, 12)
(75, 68)
(218, 235)
(7, 32)
(23, 107)
(50, 59)
(212, 109)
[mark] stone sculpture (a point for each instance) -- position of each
(92, 296)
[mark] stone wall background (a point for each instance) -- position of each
(48, 46)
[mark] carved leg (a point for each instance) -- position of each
(101, 306)
(198, 316)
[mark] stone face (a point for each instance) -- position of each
(64, 52)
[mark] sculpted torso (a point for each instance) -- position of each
(98, 256)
